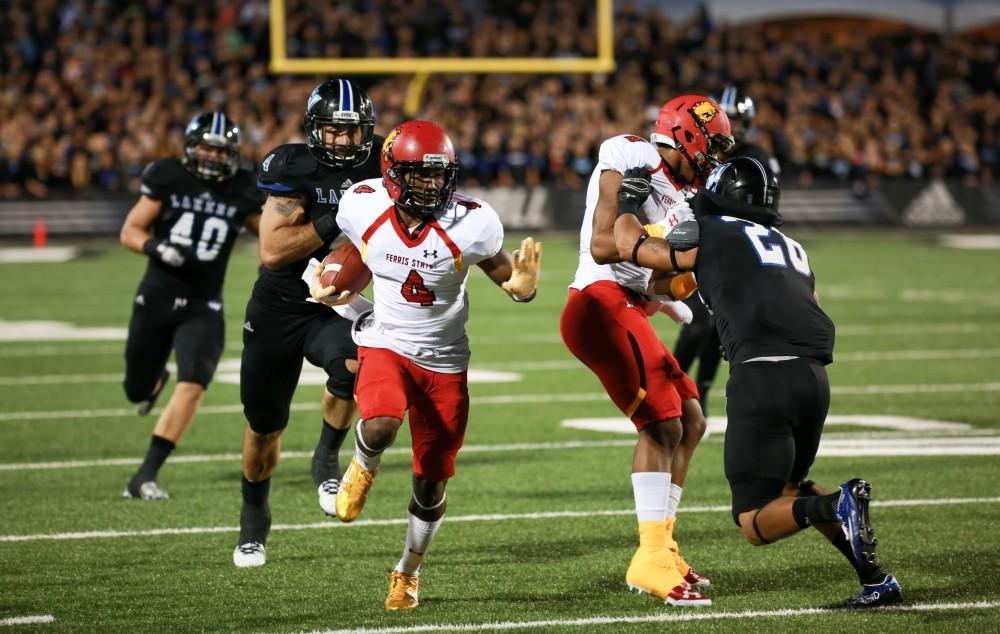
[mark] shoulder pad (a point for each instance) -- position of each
(284, 167)
(159, 175)
(684, 236)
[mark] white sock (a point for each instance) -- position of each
(367, 461)
(674, 501)
(418, 539)
(651, 490)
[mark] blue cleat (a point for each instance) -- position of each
(852, 511)
(876, 595)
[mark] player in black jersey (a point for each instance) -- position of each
(761, 289)
(699, 339)
(304, 183)
(186, 221)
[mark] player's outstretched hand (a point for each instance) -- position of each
(328, 295)
(526, 263)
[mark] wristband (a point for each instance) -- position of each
(149, 247)
(527, 298)
(325, 226)
(635, 250)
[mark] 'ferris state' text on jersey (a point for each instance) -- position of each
(201, 216)
(292, 170)
(620, 153)
(419, 277)
(758, 284)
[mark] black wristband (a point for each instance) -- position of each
(635, 250)
(149, 247)
(325, 226)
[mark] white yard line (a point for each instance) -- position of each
(34, 619)
(500, 399)
(556, 365)
(286, 455)
(669, 616)
(157, 532)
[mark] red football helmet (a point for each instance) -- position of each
(697, 127)
(419, 167)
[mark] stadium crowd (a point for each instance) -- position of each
(93, 90)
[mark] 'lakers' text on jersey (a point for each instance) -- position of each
(203, 218)
(419, 276)
(292, 170)
(622, 153)
(758, 283)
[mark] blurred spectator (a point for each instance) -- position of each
(92, 90)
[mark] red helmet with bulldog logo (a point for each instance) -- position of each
(419, 167)
(697, 127)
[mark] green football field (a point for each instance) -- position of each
(540, 526)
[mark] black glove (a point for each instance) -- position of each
(170, 254)
(325, 226)
(634, 190)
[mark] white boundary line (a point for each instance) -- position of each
(669, 617)
(200, 530)
(506, 399)
(34, 619)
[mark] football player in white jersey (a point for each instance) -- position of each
(610, 298)
(419, 238)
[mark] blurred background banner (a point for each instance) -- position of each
(882, 113)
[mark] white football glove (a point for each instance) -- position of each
(170, 255)
(526, 264)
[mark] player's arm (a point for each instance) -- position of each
(602, 236)
(286, 235)
(678, 252)
(252, 224)
(676, 286)
(135, 234)
(517, 275)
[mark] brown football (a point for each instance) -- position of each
(344, 269)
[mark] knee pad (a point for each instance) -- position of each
(340, 380)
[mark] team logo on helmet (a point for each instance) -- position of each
(705, 111)
(387, 146)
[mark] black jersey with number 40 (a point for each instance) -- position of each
(291, 170)
(758, 284)
(203, 218)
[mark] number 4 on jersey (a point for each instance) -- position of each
(415, 291)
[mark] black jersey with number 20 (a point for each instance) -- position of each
(758, 284)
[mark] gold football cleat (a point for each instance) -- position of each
(353, 492)
(402, 592)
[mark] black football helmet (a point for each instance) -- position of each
(218, 131)
(740, 110)
(339, 102)
(746, 180)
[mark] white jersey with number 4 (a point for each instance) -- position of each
(620, 153)
(418, 276)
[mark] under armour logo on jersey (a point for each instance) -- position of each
(430, 254)
(140, 300)
(247, 326)
(180, 302)
(215, 305)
